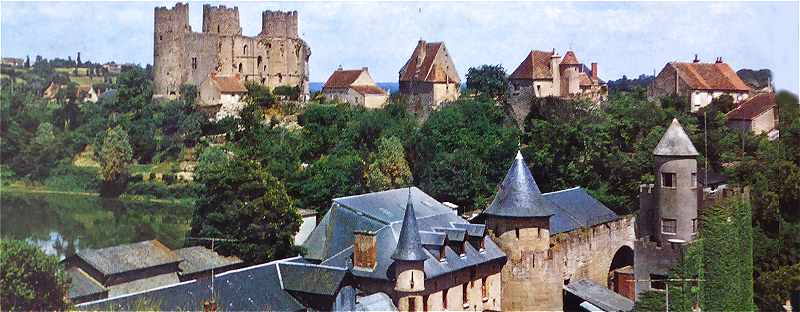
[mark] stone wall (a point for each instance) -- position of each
(221, 20)
(653, 258)
(169, 49)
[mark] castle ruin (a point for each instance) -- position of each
(274, 57)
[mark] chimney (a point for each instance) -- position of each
(719, 60)
(594, 71)
(364, 69)
(340, 67)
(696, 60)
(210, 306)
(364, 250)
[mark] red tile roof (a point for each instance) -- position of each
(535, 66)
(707, 76)
(585, 80)
(752, 107)
(228, 84)
(570, 59)
(367, 89)
(342, 78)
(427, 71)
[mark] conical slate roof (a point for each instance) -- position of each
(409, 245)
(519, 196)
(675, 142)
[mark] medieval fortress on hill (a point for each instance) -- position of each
(274, 57)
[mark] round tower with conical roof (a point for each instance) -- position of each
(676, 186)
(518, 221)
(409, 263)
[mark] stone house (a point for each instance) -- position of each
(88, 93)
(221, 96)
(699, 82)
(274, 57)
(543, 74)
(429, 78)
(756, 114)
(13, 61)
(354, 86)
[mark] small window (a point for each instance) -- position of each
(658, 282)
(442, 256)
(218, 29)
(464, 298)
(160, 37)
(694, 179)
(669, 226)
(462, 252)
(482, 247)
(694, 226)
(244, 50)
(484, 290)
(194, 63)
(412, 304)
(240, 67)
(516, 232)
(668, 179)
(258, 61)
(444, 299)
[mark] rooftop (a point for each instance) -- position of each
(198, 259)
(129, 257)
(535, 66)
(675, 142)
(752, 107)
(519, 196)
(710, 76)
(422, 66)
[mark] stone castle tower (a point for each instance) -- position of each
(274, 57)
(409, 263)
(519, 222)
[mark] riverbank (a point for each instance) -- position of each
(20, 187)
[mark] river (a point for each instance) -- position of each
(61, 224)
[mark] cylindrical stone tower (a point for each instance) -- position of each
(169, 52)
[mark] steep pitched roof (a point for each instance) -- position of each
(675, 142)
(124, 258)
(535, 66)
(228, 84)
(575, 208)
(584, 79)
(409, 245)
(570, 59)
(752, 107)
(519, 196)
(707, 76)
(366, 89)
(343, 78)
(422, 66)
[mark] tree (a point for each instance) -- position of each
(41, 154)
(27, 61)
(30, 280)
(258, 94)
(488, 80)
(241, 201)
(650, 301)
(115, 159)
(331, 176)
(388, 168)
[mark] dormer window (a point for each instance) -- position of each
(442, 256)
(462, 252)
(482, 247)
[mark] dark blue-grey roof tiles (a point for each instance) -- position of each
(409, 245)
(519, 196)
(577, 209)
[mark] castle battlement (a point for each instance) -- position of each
(279, 24)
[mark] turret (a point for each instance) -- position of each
(676, 186)
(279, 24)
(171, 26)
(555, 71)
(221, 20)
(409, 263)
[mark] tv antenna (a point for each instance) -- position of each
(666, 286)
(213, 241)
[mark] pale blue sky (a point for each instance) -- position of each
(629, 38)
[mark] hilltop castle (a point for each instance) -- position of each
(274, 57)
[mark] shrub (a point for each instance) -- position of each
(30, 280)
(148, 188)
(67, 177)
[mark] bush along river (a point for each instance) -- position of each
(62, 224)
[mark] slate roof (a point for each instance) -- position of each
(82, 284)
(375, 302)
(263, 287)
(752, 107)
(535, 66)
(382, 212)
(199, 259)
(575, 208)
(708, 76)
(228, 84)
(429, 71)
(675, 142)
(599, 296)
(409, 245)
(143, 284)
(124, 258)
(519, 196)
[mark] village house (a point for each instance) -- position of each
(354, 86)
(88, 93)
(543, 74)
(429, 78)
(13, 62)
(221, 96)
(756, 114)
(699, 82)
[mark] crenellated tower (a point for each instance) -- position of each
(279, 24)
(221, 20)
(409, 263)
(169, 48)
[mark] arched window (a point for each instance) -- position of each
(245, 50)
(258, 61)
(280, 78)
(240, 67)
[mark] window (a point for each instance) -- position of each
(464, 298)
(694, 179)
(244, 50)
(424, 303)
(240, 67)
(444, 299)
(412, 304)
(482, 247)
(694, 226)
(484, 290)
(160, 37)
(194, 63)
(658, 282)
(516, 231)
(217, 28)
(258, 61)
(462, 252)
(442, 256)
(669, 226)
(668, 179)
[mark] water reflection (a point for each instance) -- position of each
(63, 224)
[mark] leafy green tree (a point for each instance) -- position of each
(115, 158)
(258, 94)
(41, 154)
(329, 177)
(30, 280)
(388, 168)
(241, 201)
(488, 80)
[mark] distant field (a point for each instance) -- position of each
(69, 70)
(85, 80)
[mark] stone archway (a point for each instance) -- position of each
(620, 272)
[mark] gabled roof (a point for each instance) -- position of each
(584, 79)
(575, 209)
(228, 84)
(409, 245)
(129, 257)
(752, 107)
(707, 76)
(199, 259)
(535, 66)
(342, 78)
(422, 65)
(675, 142)
(519, 196)
(82, 284)
(570, 59)
(366, 89)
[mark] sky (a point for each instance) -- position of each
(624, 38)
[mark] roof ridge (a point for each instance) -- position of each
(564, 190)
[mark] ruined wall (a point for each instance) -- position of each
(201, 57)
(653, 258)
